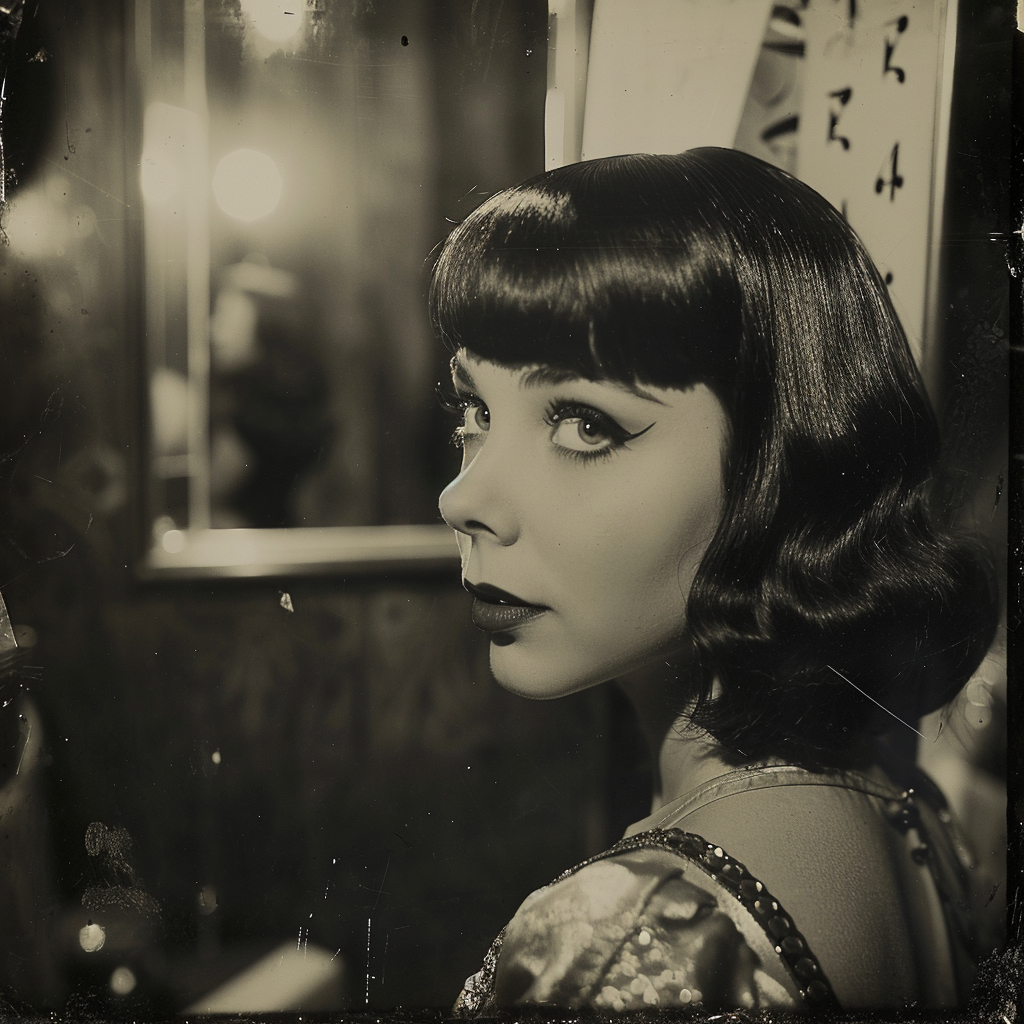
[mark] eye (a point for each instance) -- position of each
(476, 420)
(583, 430)
(472, 416)
(581, 433)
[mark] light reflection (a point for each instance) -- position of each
(40, 225)
(168, 402)
(167, 133)
(247, 184)
(159, 178)
(35, 226)
(173, 541)
(276, 20)
(233, 330)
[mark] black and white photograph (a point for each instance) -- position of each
(510, 509)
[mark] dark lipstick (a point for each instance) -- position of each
(496, 610)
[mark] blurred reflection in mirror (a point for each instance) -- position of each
(269, 418)
(299, 162)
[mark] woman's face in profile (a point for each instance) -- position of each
(582, 509)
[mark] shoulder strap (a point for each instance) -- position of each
(728, 874)
(746, 780)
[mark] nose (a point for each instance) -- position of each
(480, 501)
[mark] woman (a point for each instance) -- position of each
(697, 455)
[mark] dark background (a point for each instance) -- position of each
(367, 767)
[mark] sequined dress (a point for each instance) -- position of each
(666, 918)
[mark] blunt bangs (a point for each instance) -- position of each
(638, 289)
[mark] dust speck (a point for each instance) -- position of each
(91, 937)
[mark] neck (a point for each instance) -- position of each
(684, 756)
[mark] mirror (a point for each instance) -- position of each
(297, 168)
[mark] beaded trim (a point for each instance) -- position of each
(731, 875)
(478, 995)
(751, 893)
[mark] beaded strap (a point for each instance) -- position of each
(752, 894)
(477, 997)
(792, 948)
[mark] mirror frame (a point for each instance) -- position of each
(300, 551)
(200, 551)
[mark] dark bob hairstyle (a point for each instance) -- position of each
(830, 602)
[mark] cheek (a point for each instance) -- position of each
(644, 559)
(623, 579)
(656, 535)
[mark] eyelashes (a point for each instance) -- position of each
(457, 404)
(450, 400)
(578, 431)
(583, 430)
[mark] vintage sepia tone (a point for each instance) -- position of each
(254, 756)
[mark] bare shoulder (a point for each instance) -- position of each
(829, 856)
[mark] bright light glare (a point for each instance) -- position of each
(247, 184)
(276, 20)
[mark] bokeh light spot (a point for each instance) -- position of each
(122, 981)
(173, 541)
(247, 184)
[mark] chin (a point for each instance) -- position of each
(535, 667)
(518, 671)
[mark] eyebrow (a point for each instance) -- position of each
(551, 375)
(542, 375)
(462, 377)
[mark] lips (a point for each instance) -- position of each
(496, 610)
